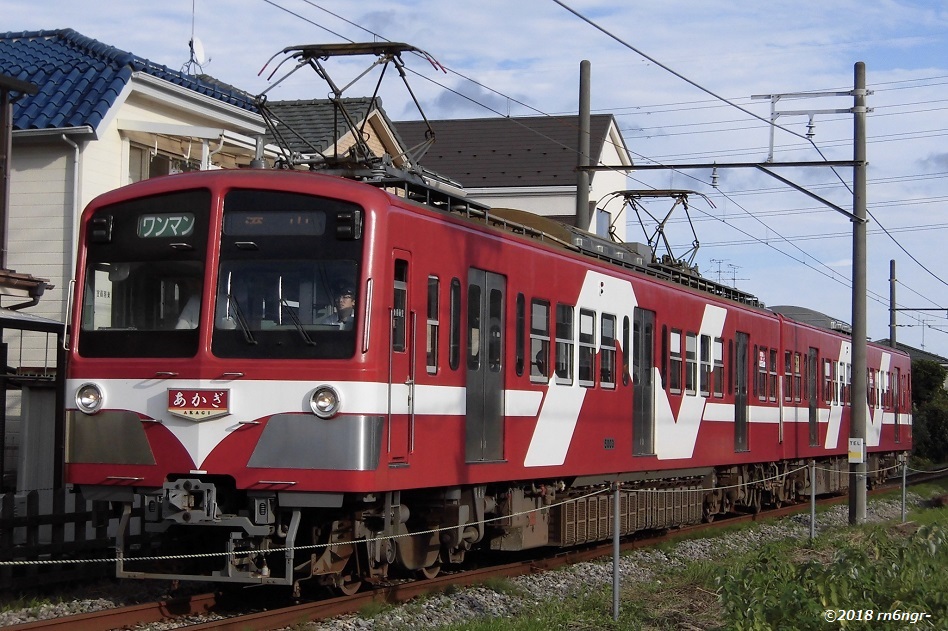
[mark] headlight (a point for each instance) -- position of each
(89, 398)
(324, 402)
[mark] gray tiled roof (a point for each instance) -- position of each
(507, 152)
(316, 123)
(80, 78)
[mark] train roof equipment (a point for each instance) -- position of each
(412, 181)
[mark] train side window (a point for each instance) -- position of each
(520, 334)
(773, 374)
(718, 368)
(564, 344)
(626, 351)
(704, 372)
(787, 376)
(539, 340)
(587, 348)
(797, 377)
(399, 310)
(454, 341)
(691, 363)
(828, 380)
(760, 384)
(674, 361)
(473, 327)
(607, 352)
(434, 325)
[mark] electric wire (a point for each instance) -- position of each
(728, 102)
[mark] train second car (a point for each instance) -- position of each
(293, 376)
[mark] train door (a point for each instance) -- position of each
(740, 392)
(401, 363)
(812, 388)
(643, 411)
(484, 422)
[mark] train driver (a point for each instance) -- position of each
(344, 314)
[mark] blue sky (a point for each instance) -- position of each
(524, 57)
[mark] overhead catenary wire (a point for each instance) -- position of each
(728, 102)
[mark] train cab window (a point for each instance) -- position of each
(674, 361)
(587, 348)
(454, 339)
(718, 368)
(564, 344)
(691, 363)
(607, 351)
(539, 340)
(520, 335)
(288, 277)
(144, 277)
(704, 372)
(433, 324)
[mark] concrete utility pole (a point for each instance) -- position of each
(582, 174)
(892, 312)
(860, 401)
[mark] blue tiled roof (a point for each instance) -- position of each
(79, 78)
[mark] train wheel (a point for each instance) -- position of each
(431, 571)
(349, 585)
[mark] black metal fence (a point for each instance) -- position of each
(54, 536)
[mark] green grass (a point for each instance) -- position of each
(785, 584)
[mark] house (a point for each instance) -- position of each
(101, 118)
(529, 163)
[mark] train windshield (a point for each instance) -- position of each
(144, 277)
(287, 284)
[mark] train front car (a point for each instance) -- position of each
(214, 369)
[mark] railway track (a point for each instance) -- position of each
(219, 612)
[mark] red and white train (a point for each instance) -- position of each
(488, 370)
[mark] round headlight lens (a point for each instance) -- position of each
(89, 398)
(324, 402)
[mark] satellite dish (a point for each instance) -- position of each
(197, 51)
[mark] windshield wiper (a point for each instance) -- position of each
(296, 321)
(241, 321)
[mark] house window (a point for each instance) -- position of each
(148, 162)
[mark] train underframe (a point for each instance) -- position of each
(203, 529)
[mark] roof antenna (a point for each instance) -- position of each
(198, 58)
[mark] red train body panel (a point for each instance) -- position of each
(479, 363)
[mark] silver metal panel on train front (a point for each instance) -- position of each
(109, 437)
(302, 441)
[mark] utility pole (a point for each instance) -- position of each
(892, 309)
(860, 401)
(582, 175)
